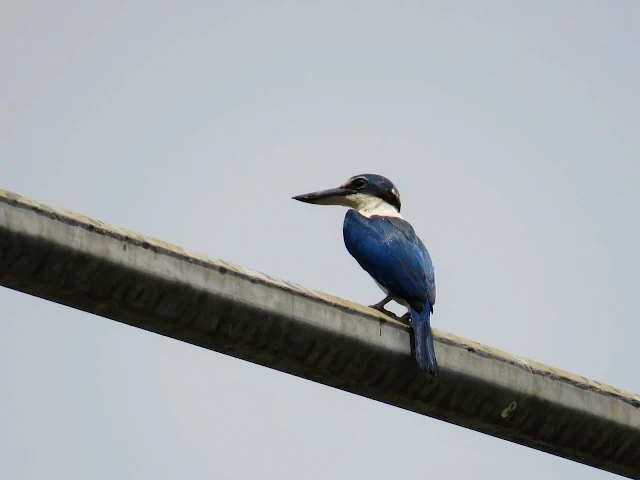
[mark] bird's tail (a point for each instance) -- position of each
(423, 339)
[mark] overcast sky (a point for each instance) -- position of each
(511, 130)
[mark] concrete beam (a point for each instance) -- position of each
(118, 274)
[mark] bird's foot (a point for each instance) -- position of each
(406, 319)
(379, 308)
(380, 305)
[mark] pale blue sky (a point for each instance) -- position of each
(510, 128)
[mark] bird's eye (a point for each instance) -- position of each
(359, 183)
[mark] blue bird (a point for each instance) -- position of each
(387, 247)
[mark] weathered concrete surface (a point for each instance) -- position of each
(86, 264)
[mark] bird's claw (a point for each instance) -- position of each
(380, 305)
(406, 318)
(381, 309)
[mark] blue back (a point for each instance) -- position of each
(391, 252)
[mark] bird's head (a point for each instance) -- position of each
(368, 193)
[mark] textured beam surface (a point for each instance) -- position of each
(140, 281)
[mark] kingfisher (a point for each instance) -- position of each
(387, 248)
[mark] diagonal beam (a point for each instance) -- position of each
(149, 284)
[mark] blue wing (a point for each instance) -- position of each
(391, 252)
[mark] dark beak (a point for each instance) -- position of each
(333, 196)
